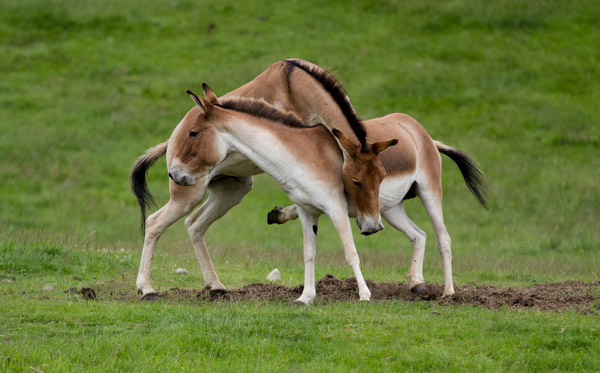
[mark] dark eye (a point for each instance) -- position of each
(357, 183)
(193, 133)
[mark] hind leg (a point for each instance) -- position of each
(433, 205)
(398, 219)
(223, 195)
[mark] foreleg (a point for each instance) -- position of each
(281, 215)
(156, 224)
(309, 232)
(342, 225)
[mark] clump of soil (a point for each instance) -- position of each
(572, 295)
(86, 293)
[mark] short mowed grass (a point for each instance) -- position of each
(88, 86)
(59, 331)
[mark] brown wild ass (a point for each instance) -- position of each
(218, 146)
(316, 97)
(413, 168)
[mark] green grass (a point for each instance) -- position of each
(58, 331)
(253, 336)
(86, 87)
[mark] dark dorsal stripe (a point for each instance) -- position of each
(288, 70)
(339, 95)
(261, 109)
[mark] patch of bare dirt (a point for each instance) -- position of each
(576, 296)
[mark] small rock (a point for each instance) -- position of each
(275, 275)
(181, 271)
(48, 288)
(7, 281)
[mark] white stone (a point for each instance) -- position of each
(48, 288)
(274, 275)
(181, 271)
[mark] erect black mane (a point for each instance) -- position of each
(338, 94)
(261, 109)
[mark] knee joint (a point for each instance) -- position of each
(352, 260)
(309, 259)
(445, 250)
(419, 239)
(189, 223)
(192, 227)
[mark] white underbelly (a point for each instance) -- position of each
(393, 190)
(235, 164)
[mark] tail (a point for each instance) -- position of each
(467, 166)
(138, 179)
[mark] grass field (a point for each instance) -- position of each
(88, 86)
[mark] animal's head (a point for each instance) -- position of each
(362, 174)
(194, 148)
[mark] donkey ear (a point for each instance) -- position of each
(348, 146)
(380, 147)
(204, 105)
(209, 94)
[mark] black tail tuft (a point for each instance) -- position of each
(139, 186)
(471, 173)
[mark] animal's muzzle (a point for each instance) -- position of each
(181, 178)
(368, 226)
(370, 232)
(179, 174)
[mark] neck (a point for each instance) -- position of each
(289, 155)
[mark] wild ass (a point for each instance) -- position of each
(413, 168)
(218, 146)
(316, 97)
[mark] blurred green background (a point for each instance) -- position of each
(87, 87)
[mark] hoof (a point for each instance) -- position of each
(364, 296)
(149, 297)
(419, 289)
(300, 303)
(274, 215)
(217, 294)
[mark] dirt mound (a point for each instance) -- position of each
(573, 295)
